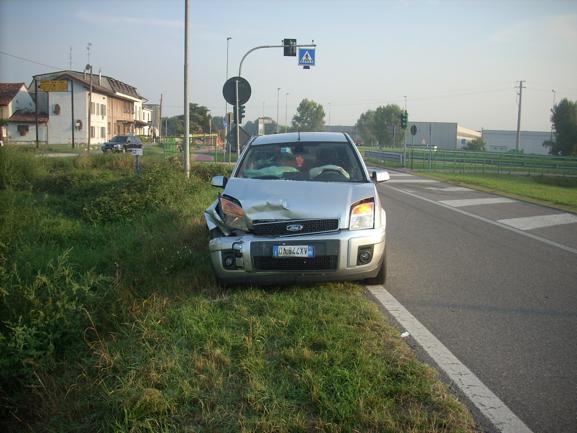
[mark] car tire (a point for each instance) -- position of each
(381, 277)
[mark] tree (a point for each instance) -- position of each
(564, 119)
(310, 117)
(387, 123)
(198, 118)
(365, 129)
(477, 145)
(382, 126)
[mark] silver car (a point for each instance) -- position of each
(298, 207)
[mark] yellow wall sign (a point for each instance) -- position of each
(53, 85)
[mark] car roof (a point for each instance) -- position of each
(302, 137)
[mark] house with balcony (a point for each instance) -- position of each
(83, 106)
(18, 116)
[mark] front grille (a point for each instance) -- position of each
(279, 228)
(321, 263)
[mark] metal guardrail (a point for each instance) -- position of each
(385, 156)
(478, 162)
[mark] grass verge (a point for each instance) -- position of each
(111, 320)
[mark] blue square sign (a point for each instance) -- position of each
(306, 56)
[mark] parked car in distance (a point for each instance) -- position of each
(298, 207)
(122, 143)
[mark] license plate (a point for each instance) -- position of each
(293, 251)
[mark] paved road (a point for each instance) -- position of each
(495, 280)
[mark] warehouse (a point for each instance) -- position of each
(443, 135)
(504, 141)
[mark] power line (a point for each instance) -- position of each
(30, 60)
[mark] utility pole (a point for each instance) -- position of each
(226, 144)
(552, 112)
(519, 116)
(286, 112)
(160, 120)
(186, 106)
(277, 93)
(89, 130)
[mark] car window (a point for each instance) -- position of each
(322, 162)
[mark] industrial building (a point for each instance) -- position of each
(530, 142)
(443, 135)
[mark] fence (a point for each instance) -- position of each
(170, 147)
(479, 162)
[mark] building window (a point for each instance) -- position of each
(102, 132)
(92, 132)
(103, 110)
(22, 129)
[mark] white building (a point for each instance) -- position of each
(444, 135)
(18, 112)
(115, 107)
(530, 142)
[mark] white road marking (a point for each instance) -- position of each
(491, 406)
(412, 181)
(476, 201)
(537, 222)
(488, 221)
(396, 174)
(450, 189)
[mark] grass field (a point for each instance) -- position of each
(111, 320)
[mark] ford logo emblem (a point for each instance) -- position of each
(294, 227)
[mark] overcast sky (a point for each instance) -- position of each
(455, 61)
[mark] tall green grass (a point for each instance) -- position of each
(111, 320)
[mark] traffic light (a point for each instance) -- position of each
(404, 119)
(290, 48)
(240, 113)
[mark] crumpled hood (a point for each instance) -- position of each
(286, 199)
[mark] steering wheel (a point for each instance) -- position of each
(330, 174)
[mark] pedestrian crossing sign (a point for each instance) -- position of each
(306, 56)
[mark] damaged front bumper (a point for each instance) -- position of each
(341, 255)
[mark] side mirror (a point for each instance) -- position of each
(379, 176)
(219, 181)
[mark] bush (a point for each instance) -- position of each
(206, 171)
(19, 169)
(44, 317)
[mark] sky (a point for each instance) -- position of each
(450, 61)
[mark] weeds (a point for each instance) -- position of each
(111, 321)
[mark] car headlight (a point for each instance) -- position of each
(363, 215)
(233, 213)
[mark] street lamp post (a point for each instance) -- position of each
(226, 108)
(277, 94)
(286, 112)
(88, 68)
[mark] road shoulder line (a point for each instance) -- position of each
(502, 418)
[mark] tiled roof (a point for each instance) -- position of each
(8, 91)
(106, 85)
(27, 117)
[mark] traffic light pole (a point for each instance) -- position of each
(237, 119)
(311, 45)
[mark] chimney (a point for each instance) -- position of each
(100, 77)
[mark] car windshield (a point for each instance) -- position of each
(322, 162)
(119, 139)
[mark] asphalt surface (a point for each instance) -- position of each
(497, 286)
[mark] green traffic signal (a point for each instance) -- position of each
(404, 119)
(290, 48)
